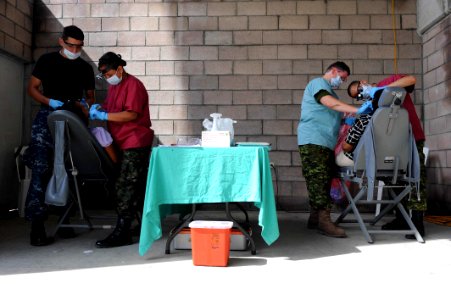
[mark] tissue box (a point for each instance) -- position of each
(216, 139)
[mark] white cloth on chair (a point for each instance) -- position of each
(57, 191)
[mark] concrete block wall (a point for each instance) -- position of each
(249, 60)
(16, 28)
(437, 113)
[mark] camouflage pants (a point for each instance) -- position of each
(38, 158)
(421, 203)
(131, 183)
(318, 168)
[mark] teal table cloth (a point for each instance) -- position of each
(189, 175)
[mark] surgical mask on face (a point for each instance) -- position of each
(114, 80)
(336, 81)
(364, 92)
(71, 55)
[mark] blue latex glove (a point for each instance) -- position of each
(373, 91)
(96, 113)
(366, 108)
(84, 103)
(55, 103)
(349, 121)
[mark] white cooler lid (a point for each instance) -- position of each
(211, 224)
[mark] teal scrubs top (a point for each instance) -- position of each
(319, 125)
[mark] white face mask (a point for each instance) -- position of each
(366, 89)
(336, 81)
(71, 55)
(114, 80)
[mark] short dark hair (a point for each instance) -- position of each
(353, 83)
(111, 60)
(73, 32)
(341, 66)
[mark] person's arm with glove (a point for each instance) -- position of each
(97, 113)
(55, 103)
(366, 108)
(373, 91)
(34, 91)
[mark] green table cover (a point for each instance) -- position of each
(187, 175)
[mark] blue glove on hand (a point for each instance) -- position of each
(373, 91)
(84, 103)
(55, 103)
(366, 108)
(96, 113)
(349, 121)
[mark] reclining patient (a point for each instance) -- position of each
(370, 93)
(345, 157)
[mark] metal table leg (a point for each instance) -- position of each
(174, 231)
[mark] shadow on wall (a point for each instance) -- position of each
(439, 190)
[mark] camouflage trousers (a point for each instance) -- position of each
(131, 184)
(318, 168)
(419, 203)
(38, 158)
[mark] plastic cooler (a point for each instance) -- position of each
(210, 242)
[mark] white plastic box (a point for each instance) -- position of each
(238, 242)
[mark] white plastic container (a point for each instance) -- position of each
(238, 241)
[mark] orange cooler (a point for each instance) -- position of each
(210, 242)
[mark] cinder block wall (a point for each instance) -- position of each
(437, 113)
(16, 28)
(249, 60)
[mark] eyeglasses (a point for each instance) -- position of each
(76, 46)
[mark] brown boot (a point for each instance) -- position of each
(327, 227)
(312, 222)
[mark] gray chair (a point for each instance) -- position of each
(86, 162)
(387, 152)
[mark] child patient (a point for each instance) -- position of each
(361, 91)
(81, 109)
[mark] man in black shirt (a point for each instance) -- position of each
(58, 79)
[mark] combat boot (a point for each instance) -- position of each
(121, 235)
(312, 222)
(327, 227)
(417, 219)
(38, 236)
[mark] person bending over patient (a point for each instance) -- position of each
(126, 110)
(321, 115)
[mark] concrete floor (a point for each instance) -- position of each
(301, 264)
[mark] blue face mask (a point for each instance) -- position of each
(336, 81)
(71, 55)
(114, 80)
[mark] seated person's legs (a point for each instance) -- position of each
(105, 140)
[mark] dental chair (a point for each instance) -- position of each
(86, 162)
(385, 152)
